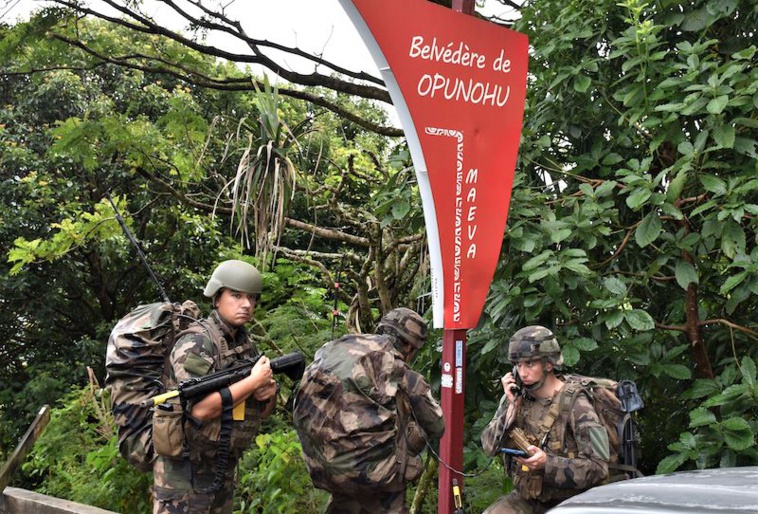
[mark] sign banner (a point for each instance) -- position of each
(458, 84)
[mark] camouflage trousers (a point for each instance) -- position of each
(514, 503)
(388, 502)
(175, 482)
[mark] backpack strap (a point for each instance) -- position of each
(627, 430)
(403, 410)
(566, 398)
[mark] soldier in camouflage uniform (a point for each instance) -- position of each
(363, 416)
(569, 455)
(189, 475)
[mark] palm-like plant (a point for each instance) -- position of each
(266, 176)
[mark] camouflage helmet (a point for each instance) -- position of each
(236, 275)
(534, 342)
(406, 325)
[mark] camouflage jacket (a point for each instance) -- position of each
(206, 347)
(576, 446)
(352, 402)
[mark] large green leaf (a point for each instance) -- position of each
(738, 434)
(701, 417)
(685, 274)
(648, 230)
(639, 320)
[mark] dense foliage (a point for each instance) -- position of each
(633, 229)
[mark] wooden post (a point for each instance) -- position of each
(24, 446)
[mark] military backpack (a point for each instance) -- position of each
(353, 438)
(615, 404)
(135, 362)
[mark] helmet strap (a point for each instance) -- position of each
(535, 386)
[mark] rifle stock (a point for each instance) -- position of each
(292, 365)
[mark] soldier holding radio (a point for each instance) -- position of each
(565, 453)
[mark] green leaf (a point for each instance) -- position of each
(578, 267)
(638, 197)
(748, 371)
(737, 434)
(639, 320)
(728, 395)
(585, 344)
(610, 160)
(400, 209)
(491, 345)
(581, 83)
(685, 274)
(677, 371)
(570, 355)
(537, 261)
(701, 417)
(724, 136)
(695, 21)
(732, 239)
(732, 282)
(676, 185)
(616, 286)
(713, 184)
(671, 463)
(539, 275)
(614, 319)
(717, 105)
(556, 236)
(648, 231)
(703, 388)
(685, 148)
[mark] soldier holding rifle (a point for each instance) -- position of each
(194, 472)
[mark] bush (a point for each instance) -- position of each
(77, 458)
(274, 479)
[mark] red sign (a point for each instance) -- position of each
(458, 84)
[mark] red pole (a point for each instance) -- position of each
(451, 445)
(453, 364)
(464, 6)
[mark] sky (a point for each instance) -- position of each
(316, 26)
(312, 25)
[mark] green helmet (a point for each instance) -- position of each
(534, 342)
(237, 275)
(406, 325)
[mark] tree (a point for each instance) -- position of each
(169, 155)
(632, 230)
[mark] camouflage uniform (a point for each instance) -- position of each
(178, 481)
(576, 447)
(353, 389)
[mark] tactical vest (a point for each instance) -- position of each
(203, 438)
(546, 428)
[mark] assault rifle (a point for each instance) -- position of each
(292, 365)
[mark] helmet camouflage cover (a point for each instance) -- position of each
(405, 324)
(236, 275)
(534, 342)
